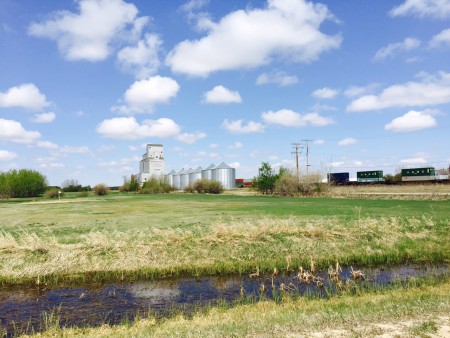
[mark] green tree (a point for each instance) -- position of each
(267, 177)
(22, 183)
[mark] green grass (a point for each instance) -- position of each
(134, 236)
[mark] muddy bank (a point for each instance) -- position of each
(24, 310)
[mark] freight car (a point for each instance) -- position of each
(338, 178)
(370, 176)
(418, 174)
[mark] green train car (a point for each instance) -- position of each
(370, 176)
(418, 174)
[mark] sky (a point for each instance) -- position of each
(356, 85)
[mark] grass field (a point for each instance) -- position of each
(131, 236)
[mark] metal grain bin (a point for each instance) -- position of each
(177, 179)
(184, 178)
(225, 175)
(195, 175)
(207, 172)
(168, 178)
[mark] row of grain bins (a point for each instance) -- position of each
(222, 173)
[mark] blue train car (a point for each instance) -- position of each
(338, 178)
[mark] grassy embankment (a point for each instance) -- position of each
(151, 236)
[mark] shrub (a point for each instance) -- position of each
(100, 189)
(22, 183)
(189, 188)
(54, 193)
(266, 179)
(205, 186)
(83, 193)
(289, 184)
(156, 186)
(131, 184)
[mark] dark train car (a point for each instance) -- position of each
(338, 178)
(370, 176)
(418, 174)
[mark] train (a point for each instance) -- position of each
(424, 175)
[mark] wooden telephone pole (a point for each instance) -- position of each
(296, 152)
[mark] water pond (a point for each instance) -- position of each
(28, 309)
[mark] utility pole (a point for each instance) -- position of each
(307, 154)
(296, 147)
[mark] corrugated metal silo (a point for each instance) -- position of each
(208, 172)
(195, 175)
(168, 178)
(184, 178)
(177, 179)
(225, 175)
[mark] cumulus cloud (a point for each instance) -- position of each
(141, 60)
(47, 145)
(354, 91)
(127, 128)
(289, 118)
(347, 141)
(325, 93)
(13, 131)
(25, 96)
(432, 90)
(44, 117)
(438, 9)
(393, 49)
(92, 33)
(220, 94)
(253, 37)
(191, 138)
(279, 78)
(414, 161)
(235, 165)
(74, 150)
(143, 95)
(6, 155)
(238, 127)
(235, 145)
(411, 121)
(319, 142)
(441, 39)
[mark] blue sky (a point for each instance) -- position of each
(85, 84)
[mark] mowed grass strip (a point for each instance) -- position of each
(420, 310)
(135, 236)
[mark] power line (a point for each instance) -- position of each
(296, 147)
(307, 154)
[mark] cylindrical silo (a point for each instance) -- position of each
(177, 179)
(168, 178)
(184, 178)
(225, 175)
(195, 175)
(207, 172)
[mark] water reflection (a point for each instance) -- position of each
(21, 310)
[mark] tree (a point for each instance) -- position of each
(22, 183)
(265, 181)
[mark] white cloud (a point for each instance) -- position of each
(235, 165)
(347, 141)
(433, 90)
(439, 9)
(441, 39)
(25, 96)
(336, 164)
(143, 95)
(393, 49)
(236, 145)
(411, 121)
(127, 128)
(318, 142)
(220, 94)
(191, 138)
(13, 131)
(44, 117)
(6, 155)
(237, 127)
(250, 38)
(414, 161)
(279, 78)
(325, 93)
(358, 163)
(47, 145)
(213, 146)
(141, 60)
(353, 91)
(289, 118)
(92, 33)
